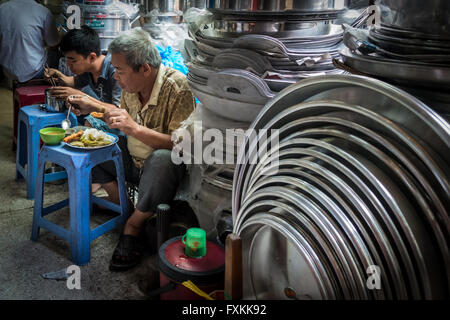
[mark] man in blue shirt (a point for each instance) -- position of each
(26, 27)
(94, 73)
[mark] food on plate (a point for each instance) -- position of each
(73, 137)
(92, 138)
(77, 144)
(97, 114)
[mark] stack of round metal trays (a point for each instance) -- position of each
(356, 191)
(247, 52)
(414, 38)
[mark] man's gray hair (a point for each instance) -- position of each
(137, 47)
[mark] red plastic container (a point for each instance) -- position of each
(207, 273)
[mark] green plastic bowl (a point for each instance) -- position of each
(52, 136)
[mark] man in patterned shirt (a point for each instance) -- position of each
(155, 100)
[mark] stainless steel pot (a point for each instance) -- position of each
(53, 104)
(278, 6)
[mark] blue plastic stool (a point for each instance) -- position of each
(31, 120)
(78, 164)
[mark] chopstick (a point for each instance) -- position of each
(52, 80)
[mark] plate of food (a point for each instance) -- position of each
(89, 139)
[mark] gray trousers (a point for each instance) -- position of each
(157, 181)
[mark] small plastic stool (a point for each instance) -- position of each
(31, 120)
(78, 164)
(25, 96)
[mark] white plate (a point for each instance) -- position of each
(115, 139)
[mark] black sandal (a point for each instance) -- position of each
(127, 254)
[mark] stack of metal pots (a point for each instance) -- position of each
(353, 203)
(240, 55)
(165, 23)
(108, 17)
(412, 50)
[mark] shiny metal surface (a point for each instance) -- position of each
(54, 104)
(370, 119)
(312, 200)
(408, 172)
(277, 29)
(406, 216)
(365, 190)
(417, 51)
(411, 34)
(336, 203)
(395, 69)
(165, 6)
(360, 135)
(430, 17)
(382, 33)
(227, 108)
(420, 117)
(299, 218)
(304, 272)
(278, 6)
(364, 219)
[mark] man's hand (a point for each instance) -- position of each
(64, 92)
(57, 75)
(82, 104)
(52, 73)
(120, 119)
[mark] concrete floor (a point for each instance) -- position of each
(23, 262)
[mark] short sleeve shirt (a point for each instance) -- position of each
(106, 89)
(170, 103)
(26, 27)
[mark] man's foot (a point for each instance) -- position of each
(127, 254)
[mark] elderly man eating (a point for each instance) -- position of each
(155, 100)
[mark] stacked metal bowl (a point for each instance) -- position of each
(280, 42)
(242, 53)
(353, 203)
(412, 50)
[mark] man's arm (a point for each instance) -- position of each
(152, 138)
(84, 104)
(103, 106)
(120, 119)
(182, 104)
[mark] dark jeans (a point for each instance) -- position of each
(157, 181)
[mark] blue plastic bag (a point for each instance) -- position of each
(172, 58)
